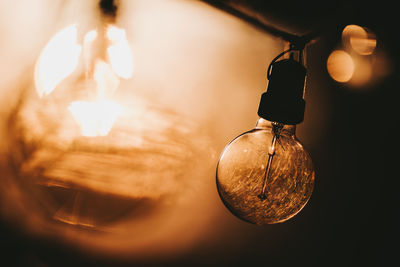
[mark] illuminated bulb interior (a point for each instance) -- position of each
(360, 39)
(119, 52)
(61, 57)
(95, 118)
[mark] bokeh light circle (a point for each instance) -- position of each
(340, 66)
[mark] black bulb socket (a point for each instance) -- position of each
(283, 101)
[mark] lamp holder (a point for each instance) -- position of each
(283, 101)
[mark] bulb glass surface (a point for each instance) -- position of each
(258, 194)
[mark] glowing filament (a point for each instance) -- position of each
(95, 118)
(58, 60)
(277, 128)
(119, 52)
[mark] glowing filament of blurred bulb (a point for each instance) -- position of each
(96, 118)
(119, 53)
(360, 39)
(60, 58)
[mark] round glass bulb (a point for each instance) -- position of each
(265, 176)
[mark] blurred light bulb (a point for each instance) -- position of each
(265, 176)
(63, 47)
(360, 39)
(340, 66)
(91, 94)
(77, 109)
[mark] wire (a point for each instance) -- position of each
(275, 59)
(297, 45)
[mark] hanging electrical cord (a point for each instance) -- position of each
(294, 46)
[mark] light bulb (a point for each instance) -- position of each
(265, 176)
(73, 120)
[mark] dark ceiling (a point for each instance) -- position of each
(309, 17)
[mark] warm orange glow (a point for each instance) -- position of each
(96, 118)
(90, 37)
(360, 40)
(151, 177)
(340, 66)
(119, 53)
(363, 46)
(107, 82)
(362, 74)
(58, 60)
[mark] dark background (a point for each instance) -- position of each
(350, 220)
